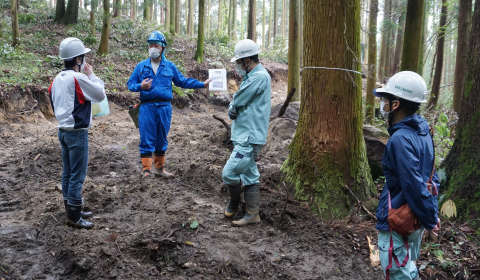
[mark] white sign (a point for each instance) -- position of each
(219, 79)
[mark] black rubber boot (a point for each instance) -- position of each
(84, 215)
(252, 205)
(232, 207)
(74, 217)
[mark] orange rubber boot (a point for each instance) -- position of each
(147, 167)
(160, 167)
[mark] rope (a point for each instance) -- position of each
(341, 69)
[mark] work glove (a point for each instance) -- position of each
(232, 113)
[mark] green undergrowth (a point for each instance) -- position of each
(35, 61)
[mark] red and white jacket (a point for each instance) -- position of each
(71, 94)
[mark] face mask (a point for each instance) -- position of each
(239, 69)
(154, 53)
(82, 65)
(384, 114)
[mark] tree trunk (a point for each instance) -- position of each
(372, 61)
(252, 20)
(263, 24)
(283, 19)
(432, 102)
(384, 43)
(275, 20)
(103, 48)
(220, 18)
(167, 14)
(234, 20)
(301, 32)
(133, 9)
(423, 47)
(201, 31)
(242, 10)
(464, 20)
(398, 45)
(270, 24)
(93, 10)
(209, 18)
(172, 16)
(71, 14)
(462, 162)
(177, 16)
(15, 29)
(146, 9)
(294, 50)
(412, 41)
(190, 18)
(328, 150)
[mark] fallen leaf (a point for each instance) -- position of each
(194, 224)
(53, 253)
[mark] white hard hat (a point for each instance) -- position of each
(71, 48)
(245, 48)
(406, 85)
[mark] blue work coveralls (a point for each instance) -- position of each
(155, 117)
(252, 103)
(407, 166)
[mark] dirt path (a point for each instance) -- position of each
(142, 227)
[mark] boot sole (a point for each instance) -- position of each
(75, 225)
(163, 175)
(238, 224)
(230, 215)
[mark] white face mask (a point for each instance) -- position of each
(382, 111)
(154, 53)
(239, 69)
(82, 65)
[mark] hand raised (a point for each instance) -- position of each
(207, 82)
(146, 84)
(88, 69)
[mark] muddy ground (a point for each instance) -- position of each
(145, 229)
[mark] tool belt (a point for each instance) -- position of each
(134, 110)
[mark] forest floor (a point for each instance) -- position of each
(147, 228)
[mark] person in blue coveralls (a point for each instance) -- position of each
(408, 162)
(250, 115)
(153, 78)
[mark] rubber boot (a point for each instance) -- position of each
(84, 215)
(232, 207)
(75, 220)
(160, 167)
(252, 205)
(147, 166)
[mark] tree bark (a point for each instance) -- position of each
(328, 150)
(201, 31)
(461, 164)
(103, 48)
(190, 18)
(283, 19)
(133, 9)
(220, 17)
(252, 20)
(421, 60)
(172, 16)
(93, 10)
(372, 61)
(177, 17)
(270, 24)
(146, 9)
(384, 43)
(71, 14)
(398, 45)
(412, 41)
(234, 20)
(464, 20)
(294, 50)
(275, 20)
(15, 29)
(263, 24)
(432, 102)
(167, 14)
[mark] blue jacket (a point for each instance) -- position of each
(161, 87)
(253, 104)
(407, 166)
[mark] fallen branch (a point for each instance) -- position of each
(287, 101)
(223, 122)
(364, 208)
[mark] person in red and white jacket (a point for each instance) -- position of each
(71, 96)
